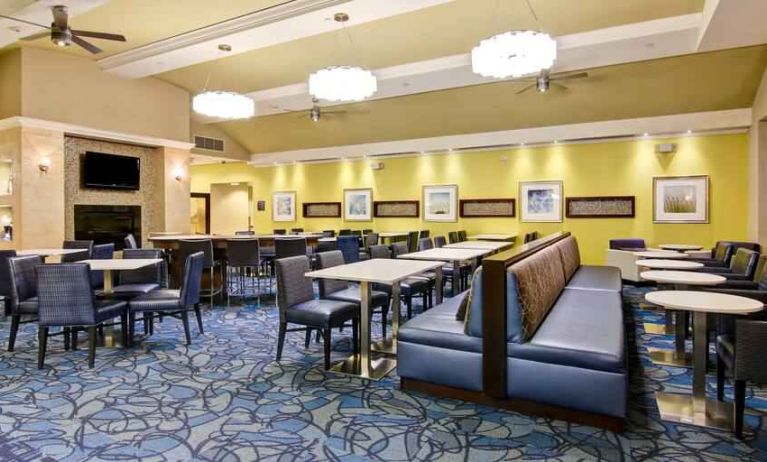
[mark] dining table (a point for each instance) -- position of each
(45, 253)
(492, 237)
(665, 254)
(696, 408)
(680, 247)
(661, 264)
(452, 256)
(119, 264)
(382, 271)
(493, 246)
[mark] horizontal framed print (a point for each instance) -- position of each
(284, 206)
(358, 204)
(680, 199)
(440, 202)
(541, 201)
(322, 209)
(600, 207)
(488, 208)
(396, 209)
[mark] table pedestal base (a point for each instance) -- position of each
(669, 357)
(379, 368)
(387, 346)
(680, 408)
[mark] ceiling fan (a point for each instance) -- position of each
(316, 112)
(544, 81)
(62, 35)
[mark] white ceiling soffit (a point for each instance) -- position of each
(671, 124)
(282, 23)
(38, 11)
(614, 45)
(732, 23)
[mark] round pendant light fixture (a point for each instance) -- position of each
(342, 83)
(223, 104)
(514, 54)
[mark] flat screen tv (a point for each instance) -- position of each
(108, 171)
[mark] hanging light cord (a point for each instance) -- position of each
(535, 16)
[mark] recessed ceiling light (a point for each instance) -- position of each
(521, 143)
(689, 132)
(556, 142)
(645, 134)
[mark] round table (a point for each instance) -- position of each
(680, 247)
(681, 280)
(660, 254)
(669, 264)
(696, 409)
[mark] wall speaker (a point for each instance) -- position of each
(665, 148)
(376, 165)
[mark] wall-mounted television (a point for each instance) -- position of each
(109, 171)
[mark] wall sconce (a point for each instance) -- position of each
(178, 173)
(44, 165)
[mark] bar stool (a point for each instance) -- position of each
(243, 262)
(187, 247)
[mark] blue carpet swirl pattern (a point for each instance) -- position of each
(224, 398)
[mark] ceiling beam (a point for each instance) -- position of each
(282, 23)
(669, 124)
(732, 23)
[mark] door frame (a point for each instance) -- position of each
(205, 196)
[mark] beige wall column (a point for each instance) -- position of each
(39, 218)
(757, 166)
(173, 194)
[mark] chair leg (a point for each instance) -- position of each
(308, 337)
(740, 405)
(74, 334)
(384, 319)
(719, 378)
(150, 317)
(198, 314)
(326, 346)
(409, 303)
(281, 339)
(185, 321)
(425, 300)
(42, 344)
(92, 333)
(66, 338)
(124, 329)
(15, 322)
(132, 327)
(356, 336)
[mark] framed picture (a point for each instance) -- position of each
(440, 202)
(680, 199)
(488, 208)
(322, 209)
(284, 206)
(358, 204)
(541, 201)
(396, 209)
(600, 207)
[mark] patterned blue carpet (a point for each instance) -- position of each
(226, 399)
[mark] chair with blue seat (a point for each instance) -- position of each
(343, 291)
(143, 280)
(439, 242)
(5, 280)
(410, 287)
(101, 252)
(130, 242)
(187, 247)
(369, 240)
(24, 307)
(628, 244)
(297, 305)
(412, 241)
(85, 247)
(66, 299)
(349, 247)
(173, 303)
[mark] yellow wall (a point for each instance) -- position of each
(609, 168)
(10, 84)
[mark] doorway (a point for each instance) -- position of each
(230, 208)
(200, 213)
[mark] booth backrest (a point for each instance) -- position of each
(744, 262)
(571, 257)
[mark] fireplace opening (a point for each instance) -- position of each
(107, 223)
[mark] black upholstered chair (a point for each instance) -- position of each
(758, 282)
(143, 280)
(329, 233)
(345, 292)
(86, 247)
(349, 246)
(24, 307)
(101, 252)
(628, 244)
(297, 305)
(296, 230)
(462, 236)
(424, 233)
(344, 232)
(66, 299)
(425, 243)
(412, 241)
(5, 280)
(439, 241)
(452, 237)
(410, 287)
(210, 263)
(742, 355)
(289, 247)
(723, 252)
(130, 242)
(742, 266)
(370, 239)
(280, 232)
(243, 263)
(173, 303)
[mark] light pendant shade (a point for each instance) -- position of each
(342, 83)
(514, 54)
(224, 105)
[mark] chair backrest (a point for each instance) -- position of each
(412, 240)
(65, 296)
(349, 246)
(744, 262)
(439, 241)
(285, 247)
(147, 275)
(399, 248)
(357, 232)
(279, 232)
(462, 236)
(452, 236)
(344, 232)
(101, 252)
(423, 234)
(634, 244)
(243, 252)
(329, 233)
(371, 239)
(23, 278)
(425, 243)
(85, 245)
(187, 247)
(735, 245)
(292, 286)
(367, 231)
(130, 242)
(326, 246)
(329, 260)
(296, 230)
(5, 272)
(750, 345)
(761, 269)
(191, 281)
(379, 251)
(244, 233)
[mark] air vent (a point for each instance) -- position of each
(209, 144)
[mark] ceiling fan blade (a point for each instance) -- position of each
(99, 35)
(578, 75)
(60, 17)
(36, 36)
(527, 88)
(335, 112)
(24, 21)
(559, 85)
(88, 46)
